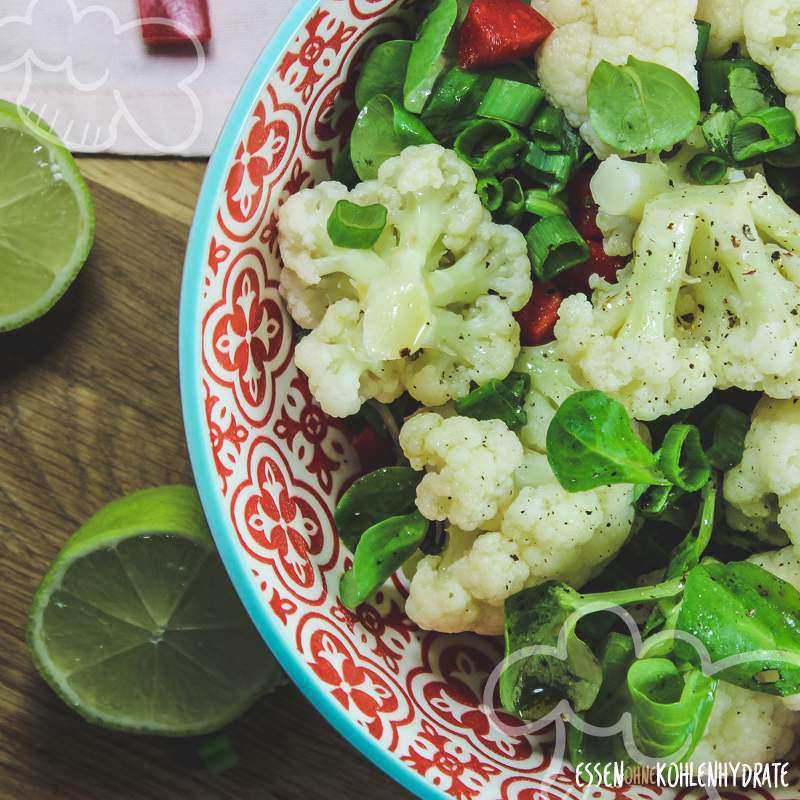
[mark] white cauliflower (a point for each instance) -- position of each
(535, 529)
(764, 488)
(470, 467)
(743, 298)
(621, 190)
(625, 341)
(726, 18)
(428, 308)
(588, 31)
(772, 37)
(746, 726)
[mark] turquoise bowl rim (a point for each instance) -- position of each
(189, 353)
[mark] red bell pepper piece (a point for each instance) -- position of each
(498, 31)
(577, 279)
(538, 318)
(190, 18)
(374, 451)
(584, 209)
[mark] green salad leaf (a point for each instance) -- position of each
(740, 609)
(591, 442)
(381, 551)
(454, 102)
(531, 686)
(384, 72)
(383, 129)
(387, 492)
(641, 107)
(497, 399)
(682, 458)
(427, 60)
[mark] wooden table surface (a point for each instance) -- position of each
(89, 410)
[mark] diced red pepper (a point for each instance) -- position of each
(190, 18)
(499, 31)
(374, 451)
(584, 209)
(577, 279)
(538, 318)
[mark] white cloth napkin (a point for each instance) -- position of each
(82, 65)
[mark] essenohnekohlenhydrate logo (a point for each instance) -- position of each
(92, 50)
(675, 770)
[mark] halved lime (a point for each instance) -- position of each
(46, 217)
(137, 627)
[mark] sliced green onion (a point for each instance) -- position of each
(497, 400)
(703, 34)
(718, 129)
(786, 182)
(722, 433)
(762, 132)
(354, 226)
(490, 192)
(489, 146)
(682, 458)
(715, 79)
(551, 169)
(541, 203)
(547, 129)
(513, 200)
(554, 246)
(707, 169)
(745, 91)
(510, 101)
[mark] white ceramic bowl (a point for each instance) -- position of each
(269, 464)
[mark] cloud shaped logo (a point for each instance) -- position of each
(564, 713)
(101, 59)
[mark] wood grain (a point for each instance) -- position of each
(89, 410)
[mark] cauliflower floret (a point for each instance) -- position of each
(765, 487)
(784, 563)
(588, 31)
(563, 535)
(726, 18)
(746, 726)
(746, 302)
(457, 350)
(470, 463)
(772, 36)
(624, 342)
(552, 382)
(430, 302)
(481, 478)
(339, 370)
(437, 599)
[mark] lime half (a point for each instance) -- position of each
(137, 627)
(46, 217)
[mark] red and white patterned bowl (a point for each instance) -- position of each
(269, 465)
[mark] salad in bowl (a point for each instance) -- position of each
(552, 292)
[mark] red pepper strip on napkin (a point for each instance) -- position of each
(498, 31)
(190, 18)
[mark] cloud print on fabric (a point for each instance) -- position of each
(96, 51)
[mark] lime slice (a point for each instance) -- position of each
(46, 217)
(137, 627)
